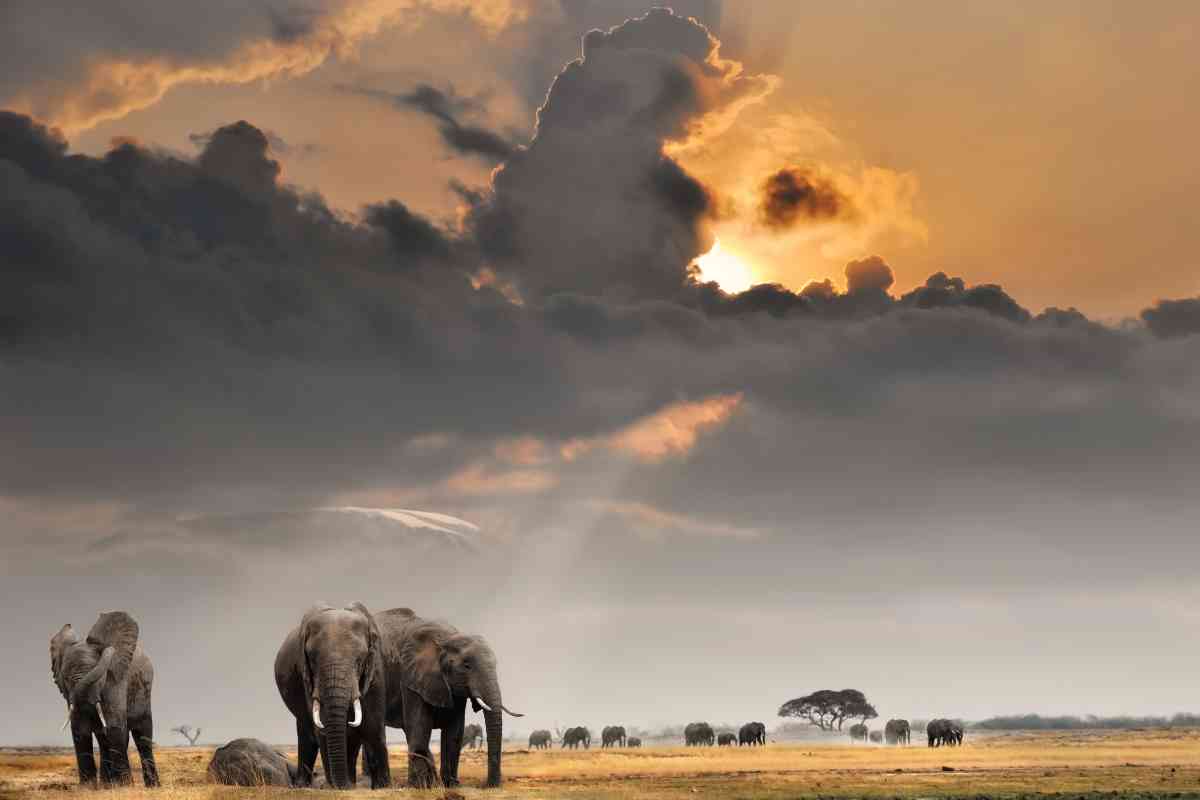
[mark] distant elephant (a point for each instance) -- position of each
(106, 680)
(612, 736)
(858, 732)
(539, 740)
(752, 733)
(876, 737)
(331, 675)
(726, 740)
(698, 734)
(897, 731)
(250, 762)
(440, 670)
(472, 736)
(944, 732)
(574, 737)
(633, 741)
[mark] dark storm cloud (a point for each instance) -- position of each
(447, 108)
(1172, 318)
(794, 195)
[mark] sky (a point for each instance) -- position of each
(763, 347)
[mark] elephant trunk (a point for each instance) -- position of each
(87, 690)
(336, 691)
(495, 739)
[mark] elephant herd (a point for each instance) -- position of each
(895, 732)
(944, 732)
(345, 674)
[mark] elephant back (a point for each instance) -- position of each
(118, 630)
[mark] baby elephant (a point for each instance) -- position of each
(726, 740)
(634, 742)
(249, 762)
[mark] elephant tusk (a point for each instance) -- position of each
(510, 713)
(66, 721)
(482, 704)
(354, 723)
(317, 713)
(100, 711)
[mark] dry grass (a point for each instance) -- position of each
(1138, 763)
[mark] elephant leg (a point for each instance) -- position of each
(323, 745)
(353, 744)
(375, 757)
(452, 737)
(115, 741)
(85, 759)
(422, 774)
(142, 731)
(306, 750)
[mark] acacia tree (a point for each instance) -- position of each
(829, 708)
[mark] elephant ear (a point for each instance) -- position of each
(373, 668)
(117, 630)
(64, 639)
(421, 663)
(305, 623)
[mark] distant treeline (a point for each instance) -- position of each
(1022, 722)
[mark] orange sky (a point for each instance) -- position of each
(1045, 147)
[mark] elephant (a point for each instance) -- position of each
(250, 762)
(539, 740)
(876, 737)
(633, 741)
(897, 731)
(472, 736)
(439, 670)
(752, 733)
(331, 674)
(699, 733)
(944, 732)
(858, 732)
(612, 736)
(574, 737)
(106, 679)
(726, 739)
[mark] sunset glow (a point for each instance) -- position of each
(730, 272)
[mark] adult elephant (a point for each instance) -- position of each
(250, 762)
(634, 742)
(331, 674)
(752, 733)
(897, 732)
(575, 737)
(106, 680)
(439, 670)
(858, 732)
(943, 732)
(726, 739)
(539, 740)
(697, 734)
(472, 736)
(613, 736)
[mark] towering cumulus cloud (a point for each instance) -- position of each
(593, 205)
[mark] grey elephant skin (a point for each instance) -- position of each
(250, 762)
(472, 736)
(634, 742)
(698, 734)
(858, 732)
(897, 732)
(752, 733)
(330, 672)
(106, 680)
(726, 740)
(612, 736)
(539, 740)
(574, 737)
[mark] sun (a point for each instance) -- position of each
(730, 272)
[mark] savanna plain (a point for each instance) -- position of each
(1136, 763)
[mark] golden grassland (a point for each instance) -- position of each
(1162, 763)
